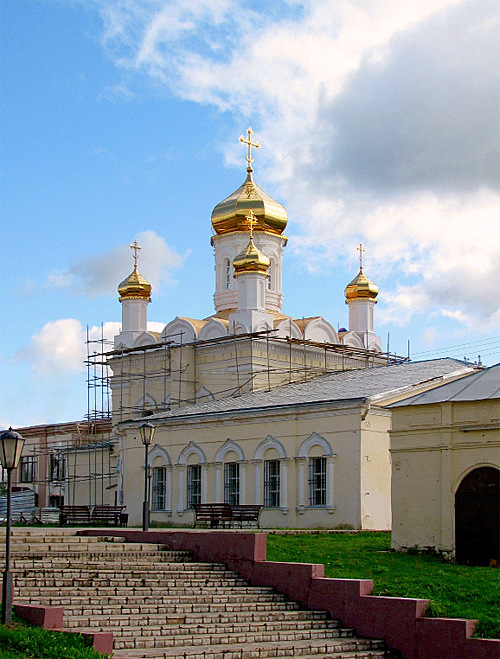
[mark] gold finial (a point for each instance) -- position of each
(135, 248)
(361, 250)
(250, 145)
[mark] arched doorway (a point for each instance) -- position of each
(477, 517)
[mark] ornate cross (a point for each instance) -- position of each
(135, 248)
(361, 250)
(251, 221)
(250, 145)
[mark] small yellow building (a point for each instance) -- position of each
(445, 447)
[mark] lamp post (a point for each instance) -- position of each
(11, 447)
(147, 430)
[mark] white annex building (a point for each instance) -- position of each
(251, 405)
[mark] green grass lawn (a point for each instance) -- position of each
(22, 641)
(455, 591)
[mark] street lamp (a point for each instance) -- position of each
(146, 430)
(11, 447)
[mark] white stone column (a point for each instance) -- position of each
(301, 462)
(257, 479)
(181, 470)
(330, 506)
(243, 482)
(218, 479)
(284, 485)
(168, 502)
(204, 483)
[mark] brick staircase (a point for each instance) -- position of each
(160, 604)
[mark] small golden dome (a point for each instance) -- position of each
(135, 287)
(361, 287)
(229, 215)
(251, 259)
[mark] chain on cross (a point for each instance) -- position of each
(135, 248)
(250, 145)
(361, 250)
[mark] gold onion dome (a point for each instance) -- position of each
(230, 214)
(251, 259)
(135, 286)
(361, 286)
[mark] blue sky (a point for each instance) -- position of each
(120, 120)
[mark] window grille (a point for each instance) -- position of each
(193, 485)
(159, 489)
(232, 483)
(228, 274)
(317, 481)
(269, 272)
(27, 469)
(272, 483)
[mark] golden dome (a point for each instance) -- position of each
(229, 215)
(251, 259)
(361, 287)
(135, 287)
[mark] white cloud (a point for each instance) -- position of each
(59, 348)
(379, 122)
(101, 274)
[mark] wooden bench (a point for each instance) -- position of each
(213, 513)
(224, 514)
(105, 514)
(74, 515)
(247, 513)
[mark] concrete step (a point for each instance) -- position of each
(84, 605)
(165, 614)
(154, 637)
(347, 648)
(179, 624)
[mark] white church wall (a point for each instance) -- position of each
(339, 446)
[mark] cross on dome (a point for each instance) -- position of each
(250, 217)
(135, 248)
(361, 250)
(249, 158)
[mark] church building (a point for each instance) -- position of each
(251, 405)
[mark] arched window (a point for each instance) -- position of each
(159, 488)
(315, 474)
(272, 483)
(270, 272)
(193, 492)
(232, 483)
(228, 274)
(317, 481)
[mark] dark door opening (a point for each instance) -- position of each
(477, 517)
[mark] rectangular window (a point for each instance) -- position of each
(232, 483)
(27, 470)
(57, 467)
(193, 485)
(272, 483)
(159, 489)
(317, 481)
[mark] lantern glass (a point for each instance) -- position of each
(147, 430)
(11, 447)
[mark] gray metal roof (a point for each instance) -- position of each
(374, 384)
(483, 385)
